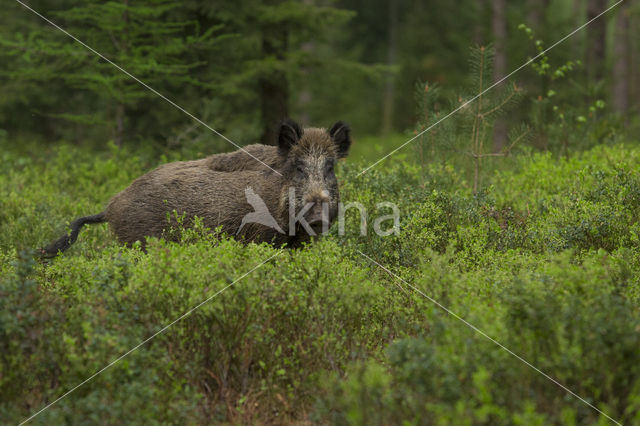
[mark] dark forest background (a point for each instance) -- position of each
(242, 66)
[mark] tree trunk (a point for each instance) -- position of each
(596, 40)
(621, 89)
(118, 133)
(306, 95)
(535, 12)
(634, 60)
(499, 24)
(578, 13)
(274, 86)
(389, 86)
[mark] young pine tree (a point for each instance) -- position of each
(470, 128)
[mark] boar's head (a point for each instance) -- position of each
(310, 157)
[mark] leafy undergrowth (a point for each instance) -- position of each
(546, 261)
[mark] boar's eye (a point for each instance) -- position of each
(300, 168)
(329, 167)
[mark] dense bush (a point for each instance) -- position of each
(546, 261)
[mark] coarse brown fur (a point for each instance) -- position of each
(215, 189)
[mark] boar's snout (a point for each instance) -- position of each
(320, 214)
(319, 218)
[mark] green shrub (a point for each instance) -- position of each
(565, 319)
(546, 260)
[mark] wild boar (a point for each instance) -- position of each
(287, 197)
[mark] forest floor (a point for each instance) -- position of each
(545, 260)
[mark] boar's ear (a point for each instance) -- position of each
(340, 132)
(289, 135)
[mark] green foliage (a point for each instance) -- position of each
(545, 261)
(465, 125)
(543, 257)
(147, 39)
(559, 122)
(208, 58)
(563, 318)
(333, 59)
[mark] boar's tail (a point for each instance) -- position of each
(64, 242)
